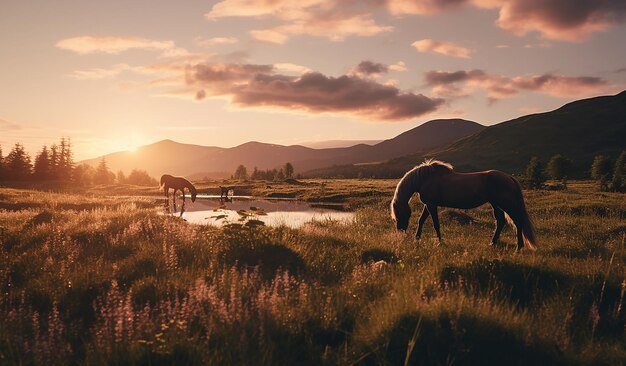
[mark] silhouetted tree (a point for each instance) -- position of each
(54, 161)
(280, 175)
(141, 178)
(601, 171)
(255, 174)
(618, 183)
(534, 173)
(83, 174)
(121, 177)
(18, 164)
(288, 170)
(2, 169)
(65, 162)
(103, 175)
(42, 168)
(241, 173)
(559, 168)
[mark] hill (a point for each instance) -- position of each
(199, 161)
(579, 130)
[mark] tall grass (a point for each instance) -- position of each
(102, 280)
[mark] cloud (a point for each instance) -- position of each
(398, 66)
(215, 41)
(335, 27)
(560, 19)
(461, 83)
(312, 92)
(99, 73)
(443, 48)
(112, 45)
(421, 7)
(9, 126)
(335, 19)
(564, 20)
(370, 68)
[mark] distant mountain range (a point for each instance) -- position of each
(579, 130)
(196, 161)
(330, 144)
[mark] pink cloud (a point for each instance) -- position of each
(440, 47)
(112, 45)
(312, 92)
(461, 83)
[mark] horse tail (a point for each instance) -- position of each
(162, 181)
(527, 226)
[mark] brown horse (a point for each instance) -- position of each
(438, 185)
(177, 184)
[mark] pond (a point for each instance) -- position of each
(211, 210)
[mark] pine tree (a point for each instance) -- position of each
(54, 162)
(42, 165)
(18, 164)
(103, 175)
(288, 170)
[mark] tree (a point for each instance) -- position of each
(65, 162)
(54, 161)
(534, 173)
(2, 170)
(18, 164)
(601, 170)
(141, 178)
(103, 175)
(288, 170)
(241, 173)
(618, 183)
(121, 177)
(41, 170)
(83, 175)
(280, 175)
(559, 168)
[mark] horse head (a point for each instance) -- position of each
(401, 212)
(193, 195)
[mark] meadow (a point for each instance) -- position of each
(100, 277)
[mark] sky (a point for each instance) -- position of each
(114, 75)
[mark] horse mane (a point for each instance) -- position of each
(407, 185)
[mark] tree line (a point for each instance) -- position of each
(56, 164)
(610, 175)
(285, 172)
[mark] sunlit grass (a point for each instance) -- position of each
(98, 279)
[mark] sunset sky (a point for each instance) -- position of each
(113, 75)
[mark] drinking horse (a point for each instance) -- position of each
(439, 185)
(177, 184)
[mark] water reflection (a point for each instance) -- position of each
(214, 211)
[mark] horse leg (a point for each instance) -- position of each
(166, 191)
(433, 212)
(174, 199)
(421, 221)
(498, 214)
(182, 209)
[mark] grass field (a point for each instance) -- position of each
(99, 277)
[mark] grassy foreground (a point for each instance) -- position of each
(96, 279)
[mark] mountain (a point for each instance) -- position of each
(199, 161)
(579, 130)
(330, 144)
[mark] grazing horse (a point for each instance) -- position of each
(224, 191)
(177, 184)
(439, 185)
